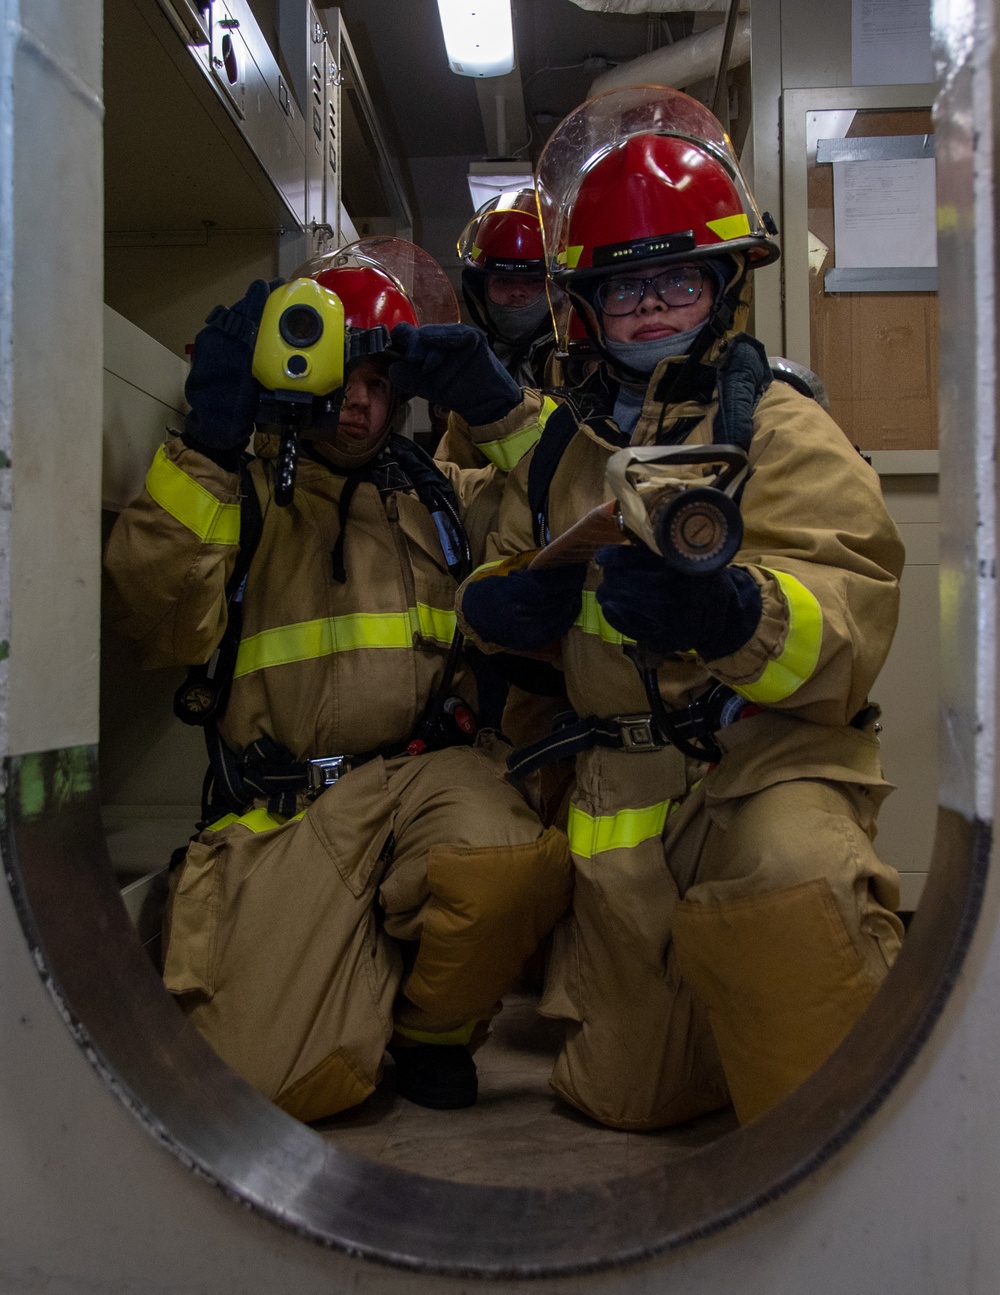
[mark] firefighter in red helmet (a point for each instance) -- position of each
(504, 287)
(730, 918)
(503, 283)
(363, 876)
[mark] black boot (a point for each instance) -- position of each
(441, 1076)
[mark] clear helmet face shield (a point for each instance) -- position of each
(415, 271)
(638, 176)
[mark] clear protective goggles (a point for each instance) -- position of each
(680, 285)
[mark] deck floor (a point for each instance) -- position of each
(519, 1134)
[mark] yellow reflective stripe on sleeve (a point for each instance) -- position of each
(309, 640)
(190, 503)
(257, 820)
(508, 452)
(591, 621)
(589, 834)
(798, 657)
(487, 566)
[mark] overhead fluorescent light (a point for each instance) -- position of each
(489, 179)
(478, 36)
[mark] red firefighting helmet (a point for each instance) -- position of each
(643, 175)
(657, 197)
(386, 281)
(505, 236)
(370, 296)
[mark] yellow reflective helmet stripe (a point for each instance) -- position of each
(309, 640)
(508, 452)
(591, 834)
(571, 257)
(256, 820)
(728, 227)
(591, 621)
(190, 503)
(799, 655)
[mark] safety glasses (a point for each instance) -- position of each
(681, 286)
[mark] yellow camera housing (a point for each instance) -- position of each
(301, 340)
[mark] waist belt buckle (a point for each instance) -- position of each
(324, 771)
(637, 733)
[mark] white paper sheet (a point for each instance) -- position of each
(891, 42)
(884, 213)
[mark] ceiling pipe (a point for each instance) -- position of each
(683, 63)
(653, 6)
(720, 90)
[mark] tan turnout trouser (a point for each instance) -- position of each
(716, 949)
(278, 936)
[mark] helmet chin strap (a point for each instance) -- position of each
(344, 455)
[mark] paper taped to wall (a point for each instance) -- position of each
(884, 213)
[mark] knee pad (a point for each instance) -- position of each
(489, 908)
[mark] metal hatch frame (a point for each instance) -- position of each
(157, 1065)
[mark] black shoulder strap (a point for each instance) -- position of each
(551, 446)
(202, 697)
(435, 492)
(744, 376)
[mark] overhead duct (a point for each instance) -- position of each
(683, 63)
(654, 6)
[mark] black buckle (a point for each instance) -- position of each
(324, 771)
(637, 733)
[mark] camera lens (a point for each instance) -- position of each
(301, 326)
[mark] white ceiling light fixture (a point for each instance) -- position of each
(478, 36)
(489, 179)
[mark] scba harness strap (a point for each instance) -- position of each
(742, 377)
(266, 769)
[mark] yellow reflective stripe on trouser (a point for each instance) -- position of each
(257, 820)
(589, 834)
(190, 503)
(460, 1036)
(508, 452)
(800, 653)
(311, 639)
(591, 621)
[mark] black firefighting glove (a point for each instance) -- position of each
(524, 611)
(452, 365)
(221, 389)
(667, 611)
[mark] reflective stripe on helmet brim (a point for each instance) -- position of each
(591, 621)
(190, 503)
(730, 227)
(508, 452)
(309, 640)
(799, 655)
(591, 834)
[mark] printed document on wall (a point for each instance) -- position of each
(884, 213)
(891, 42)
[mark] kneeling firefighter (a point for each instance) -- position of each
(730, 919)
(364, 876)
